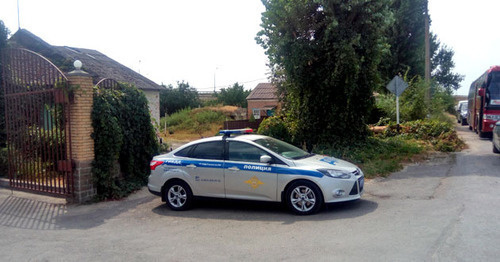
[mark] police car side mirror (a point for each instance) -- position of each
(266, 159)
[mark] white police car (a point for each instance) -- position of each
(253, 167)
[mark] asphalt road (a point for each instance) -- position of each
(445, 209)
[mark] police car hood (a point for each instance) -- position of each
(326, 162)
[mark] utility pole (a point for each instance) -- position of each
(215, 71)
(18, 18)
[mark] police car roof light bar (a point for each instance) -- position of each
(228, 133)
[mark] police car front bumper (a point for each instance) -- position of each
(340, 190)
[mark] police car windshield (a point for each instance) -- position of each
(282, 148)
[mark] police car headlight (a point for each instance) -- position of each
(333, 173)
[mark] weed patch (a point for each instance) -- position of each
(377, 156)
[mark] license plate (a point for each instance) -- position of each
(361, 182)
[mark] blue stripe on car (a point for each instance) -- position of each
(249, 167)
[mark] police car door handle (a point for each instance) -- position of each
(191, 166)
(234, 168)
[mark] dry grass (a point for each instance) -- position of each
(184, 136)
(226, 110)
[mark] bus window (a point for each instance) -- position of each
(494, 89)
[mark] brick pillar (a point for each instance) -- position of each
(82, 145)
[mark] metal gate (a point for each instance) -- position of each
(37, 123)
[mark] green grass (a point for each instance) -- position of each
(193, 120)
(378, 156)
(176, 119)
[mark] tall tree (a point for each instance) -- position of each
(443, 65)
(406, 40)
(405, 37)
(325, 56)
(4, 34)
(234, 96)
(175, 99)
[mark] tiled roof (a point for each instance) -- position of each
(263, 91)
(94, 62)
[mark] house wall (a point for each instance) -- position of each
(260, 104)
(154, 105)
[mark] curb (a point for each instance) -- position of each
(4, 182)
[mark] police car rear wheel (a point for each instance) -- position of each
(178, 196)
(304, 198)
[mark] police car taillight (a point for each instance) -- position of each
(154, 163)
(236, 131)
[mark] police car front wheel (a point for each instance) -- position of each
(304, 198)
(178, 196)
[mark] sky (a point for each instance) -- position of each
(207, 43)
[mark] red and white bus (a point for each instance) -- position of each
(484, 102)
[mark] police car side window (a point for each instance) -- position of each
(239, 151)
(209, 150)
(184, 152)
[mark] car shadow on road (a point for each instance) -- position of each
(266, 211)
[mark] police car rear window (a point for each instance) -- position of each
(209, 150)
(184, 152)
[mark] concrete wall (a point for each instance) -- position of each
(154, 106)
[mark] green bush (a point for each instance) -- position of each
(386, 103)
(203, 118)
(178, 118)
(175, 99)
(123, 134)
(208, 116)
(139, 138)
(426, 129)
(411, 103)
(45, 140)
(448, 142)
(164, 148)
(234, 95)
(440, 134)
(108, 139)
(442, 101)
(375, 155)
(275, 127)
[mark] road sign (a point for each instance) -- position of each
(397, 86)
